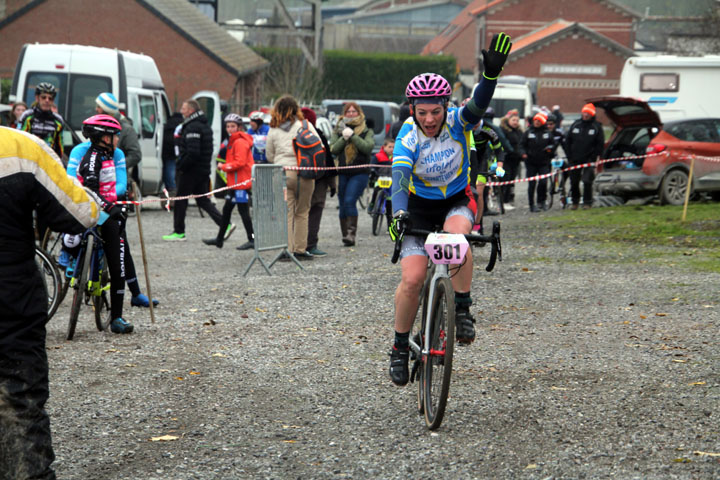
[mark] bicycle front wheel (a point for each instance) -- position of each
(51, 277)
(101, 304)
(378, 214)
(52, 245)
(437, 365)
(79, 280)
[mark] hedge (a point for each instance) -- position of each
(369, 76)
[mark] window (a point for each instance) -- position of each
(84, 89)
(207, 105)
(57, 79)
(694, 131)
(503, 105)
(148, 116)
(659, 82)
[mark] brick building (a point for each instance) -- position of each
(191, 51)
(574, 48)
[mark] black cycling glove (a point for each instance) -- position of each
(495, 57)
(400, 222)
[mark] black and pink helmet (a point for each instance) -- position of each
(428, 86)
(99, 125)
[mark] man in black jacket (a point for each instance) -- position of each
(33, 178)
(585, 141)
(537, 145)
(195, 149)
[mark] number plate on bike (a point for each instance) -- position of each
(384, 182)
(446, 247)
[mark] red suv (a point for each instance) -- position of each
(638, 131)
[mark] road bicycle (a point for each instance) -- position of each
(432, 342)
(52, 278)
(90, 282)
(379, 209)
(557, 184)
(495, 202)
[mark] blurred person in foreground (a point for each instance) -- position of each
(33, 179)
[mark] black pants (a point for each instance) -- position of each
(193, 184)
(25, 443)
(317, 205)
(114, 246)
(587, 175)
(532, 170)
(243, 210)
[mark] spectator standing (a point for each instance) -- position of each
(326, 181)
(352, 143)
(258, 131)
(195, 149)
(169, 152)
(559, 117)
(33, 179)
(41, 121)
(537, 146)
(16, 114)
(284, 125)
(585, 141)
(128, 141)
(404, 115)
(510, 125)
(238, 168)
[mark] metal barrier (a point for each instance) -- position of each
(269, 214)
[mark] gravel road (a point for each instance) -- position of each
(588, 363)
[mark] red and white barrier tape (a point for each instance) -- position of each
(168, 199)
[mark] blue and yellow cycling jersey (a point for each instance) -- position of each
(440, 165)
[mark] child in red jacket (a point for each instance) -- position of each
(238, 166)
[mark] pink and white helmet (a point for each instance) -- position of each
(426, 86)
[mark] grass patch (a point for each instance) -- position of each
(650, 232)
(647, 225)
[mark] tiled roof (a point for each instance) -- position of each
(616, 4)
(207, 35)
(560, 28)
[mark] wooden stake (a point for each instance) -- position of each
(688, 188)
(144, 256)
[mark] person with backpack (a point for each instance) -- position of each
(286, 121)
(238, 167)
(326, 180)
(352, 143)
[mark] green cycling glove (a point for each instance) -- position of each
(494, 59)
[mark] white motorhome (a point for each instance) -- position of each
(675, 87)
(82, 72)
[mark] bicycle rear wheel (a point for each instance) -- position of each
(437, 365)
(101, 304)
(80, 279)
(51, 277)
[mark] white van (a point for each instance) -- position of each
(675, 87)
(81, 73)
(512, 92)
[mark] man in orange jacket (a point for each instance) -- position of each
(238, 166)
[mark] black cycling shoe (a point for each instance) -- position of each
(465, 327)
(399, 373)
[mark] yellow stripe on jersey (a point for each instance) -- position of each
(19, 155)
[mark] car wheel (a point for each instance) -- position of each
(715, 196)
(672, 189)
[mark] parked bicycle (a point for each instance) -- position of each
(381, 206)
(432, 341)
(557, 183)
(90, 282)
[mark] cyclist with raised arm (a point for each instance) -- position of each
(431, 186)
(101, 167)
